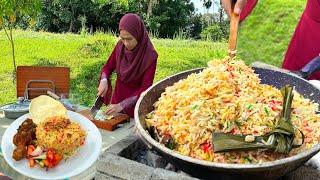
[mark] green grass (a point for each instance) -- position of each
(266, 33)
(85, 56)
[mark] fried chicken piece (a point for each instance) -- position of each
(26, 133)
(25, 136)
(19, 153)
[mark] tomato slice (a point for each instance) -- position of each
(31, 162)
(206, 147)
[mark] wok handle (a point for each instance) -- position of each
(311, 67)
(234, 24)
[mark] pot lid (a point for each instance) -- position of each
(19, 106)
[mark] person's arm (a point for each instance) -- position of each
(109, 67)
(146, 83)
(104, 80)
(242, 7)
(247, 9)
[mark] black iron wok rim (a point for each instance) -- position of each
(149, 140)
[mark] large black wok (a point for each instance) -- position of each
(210, 170)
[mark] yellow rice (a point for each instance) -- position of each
(227, 97)
(64, 140)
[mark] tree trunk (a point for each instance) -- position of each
(10, 38)
(212, 6)
(13, 53)
(139, 7)
(71, 26)
(72, 17)
(220, 14)
(150, 6)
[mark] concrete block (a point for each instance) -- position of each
(305, 173)
(120, 167)
(101, 176)
(162, 174)
(125, 143)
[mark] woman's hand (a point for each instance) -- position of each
(103, 88)
(113, 109)
(237, 8)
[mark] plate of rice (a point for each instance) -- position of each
(72, 136)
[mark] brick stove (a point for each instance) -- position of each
(130, 159)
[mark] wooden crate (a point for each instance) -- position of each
(60, 76)
(110, 124)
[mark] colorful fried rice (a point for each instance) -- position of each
(61, 134)
(227, 97)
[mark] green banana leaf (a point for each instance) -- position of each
(280, 139)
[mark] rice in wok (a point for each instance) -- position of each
(227, 97)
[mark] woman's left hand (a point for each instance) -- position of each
(113, 109)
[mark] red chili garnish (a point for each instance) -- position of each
(206, 147)
(230, 68)
(273, 104)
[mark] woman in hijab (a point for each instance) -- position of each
(304, 45)
(134, 60)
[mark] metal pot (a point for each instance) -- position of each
(209, 170)
(17, 109)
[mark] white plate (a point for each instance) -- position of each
(79, 162)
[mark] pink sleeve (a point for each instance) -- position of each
(106, 71)
(110, 66)
(247, 9)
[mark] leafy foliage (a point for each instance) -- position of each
(168, 16)
(67, 16)
(9, 11)
(213, 32)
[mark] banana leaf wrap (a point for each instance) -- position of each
(280, 139)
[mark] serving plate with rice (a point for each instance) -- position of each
(79, 142)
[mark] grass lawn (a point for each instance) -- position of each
(266, 33)
(85, 56)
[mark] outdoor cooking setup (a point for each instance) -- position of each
(149, 155)
(269, 170)
(139, 155)
(277, 78)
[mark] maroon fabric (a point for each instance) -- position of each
(135, 69)
(123, 91)
(247, 9)
(132, 64)
(304, 45)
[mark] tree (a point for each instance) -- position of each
(196, 26)
(10, 10)
(67, 16)
(170, 16)
(212, 33)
